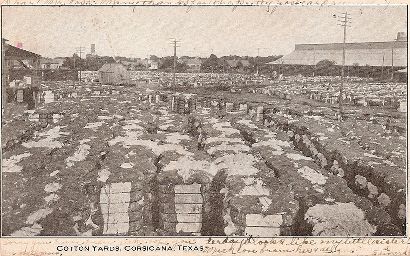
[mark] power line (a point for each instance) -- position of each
(392, 61)
(79, 50)
(344, 20)
(174, 43)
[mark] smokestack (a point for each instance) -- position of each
(92, 49)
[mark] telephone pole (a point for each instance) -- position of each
(79, 51)
(174, 43)
(344, 22)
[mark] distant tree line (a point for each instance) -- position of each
(222, 64)
(330, 68)
(210, 64)
(90, 63)
(167, 64)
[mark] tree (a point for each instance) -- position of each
(213, 64)
(139, 66)
(167, 63)
(325, 63)
(182, 67)
(355, 69)
(325, 67)
(239, 65)
(154, 58)
(74, 62)
(67, 63)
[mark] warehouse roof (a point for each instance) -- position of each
(368, 53)
(14, 53)
(235, 63)
(364, 45)
(112, 67)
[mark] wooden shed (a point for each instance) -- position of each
(20, 65)
(113, 73)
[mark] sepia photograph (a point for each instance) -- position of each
(245, 121)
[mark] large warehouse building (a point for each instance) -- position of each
(375, 54)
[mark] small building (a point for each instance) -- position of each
(238, 65)
(113, 73)
(47, 63)
(194, 65)
(153, 65)
(20, 67)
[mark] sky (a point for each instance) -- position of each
(143, 31)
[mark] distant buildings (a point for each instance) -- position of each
(138, 64)
(17, 58)
(20, 65)
(48, 63)
(238, 65)
(194, 65)
(152, 64)
(375, 54)
(113, 73)
(132, 65)
(92, 53)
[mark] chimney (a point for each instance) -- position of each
(92, 49)
(19, 45)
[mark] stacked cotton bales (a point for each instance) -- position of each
(129, 160)
(184, 176)
(309, 185)
(384, 184)
(268, 146)
(323, 141)
(30, 166)
(333, 157)
(183, 182)
(128, 212)
(178, 104)
(246, 196)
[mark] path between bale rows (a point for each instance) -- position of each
(367, 154)
(96, 174)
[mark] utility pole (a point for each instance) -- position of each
(344, 22)
(280, 67)
(79, 51)
(174, 43)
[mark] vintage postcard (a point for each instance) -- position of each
(204, 128)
